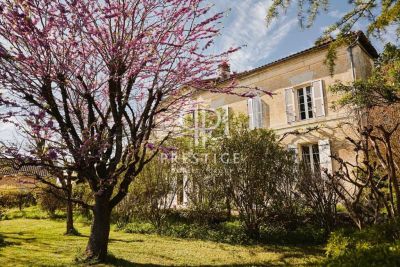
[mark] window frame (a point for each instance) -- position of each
(307, 108)
(310, 160)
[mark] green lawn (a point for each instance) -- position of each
(40, 242)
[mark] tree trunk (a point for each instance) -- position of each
(98, 241)
(70, 213)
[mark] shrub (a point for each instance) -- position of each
(320, 197)
(32, 212)
(208, 200)
(83, 192)
(49, 201)
(262, 182)
(151, 194)
(137, 228)
(198, 216)
(304, 234)
(378, 245)
(13, 198)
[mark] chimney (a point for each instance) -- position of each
(224, 71)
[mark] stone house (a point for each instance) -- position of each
(301, 99)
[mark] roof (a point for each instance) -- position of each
(7, 168)
(361, 38)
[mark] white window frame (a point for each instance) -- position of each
(311, 154)
(307, 109)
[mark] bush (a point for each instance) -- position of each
(137, 228)
(226, 232)
(83, 192)
(375, 246)
(151, 194)
(179, 225)
(306, 234)
(32, 212)
(320, 197)
(14, 198)
(262, 182)
(49, 201)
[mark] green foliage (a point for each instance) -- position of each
(151, 194)
(32, 212)
(319, 196)
(378, 245)
(303, 234)
(82, 191)
(11, 198)
(231, 232)
(49, 200)
(137, 228)
(262, 181)
(379, 13)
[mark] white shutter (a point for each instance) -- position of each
(293, 148)
(257, 112)
(289, 101)
(318, 99)
(264, 122)
(251, 113)
(324, 148)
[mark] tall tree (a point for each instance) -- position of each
(93, 81)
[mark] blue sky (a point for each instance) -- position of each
(244, 25)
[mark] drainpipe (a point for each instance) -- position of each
(362, 114)
(350, 51)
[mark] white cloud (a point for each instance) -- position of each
(246, 26)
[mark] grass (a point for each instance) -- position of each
(40, 242)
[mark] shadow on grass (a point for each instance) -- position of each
(118, 262)
(126, 241)
(20, 236)
(4, 243)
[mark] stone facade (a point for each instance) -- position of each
(305, 71)
(281, 112)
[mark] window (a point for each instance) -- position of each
(310, 156)
(305, 100)
(304, 103)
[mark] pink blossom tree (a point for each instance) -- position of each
(88, 83)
